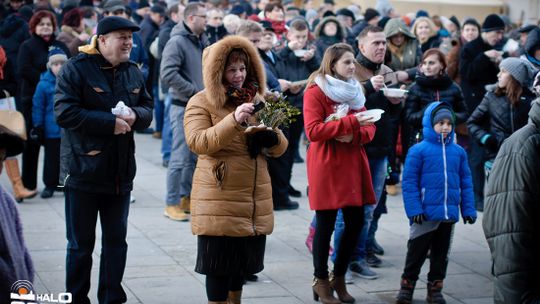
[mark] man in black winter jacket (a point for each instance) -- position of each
(511, 215)
(98, 154)
(479, 66)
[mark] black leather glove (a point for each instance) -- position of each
(491, 143)
(36, 134)
(418, 219)
(259, 140)
(469, 220)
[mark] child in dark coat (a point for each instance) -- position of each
(437, 185)
(45, 128)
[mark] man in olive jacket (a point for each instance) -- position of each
(98, 154)
(512, 212)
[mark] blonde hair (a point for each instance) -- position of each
(430, 23)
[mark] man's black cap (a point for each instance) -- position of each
(114, 23)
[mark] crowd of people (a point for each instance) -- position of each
(460, 135)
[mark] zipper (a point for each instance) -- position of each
(65, 180)
(423, 194)
(512, 117)
(445, 178)
(253, 198)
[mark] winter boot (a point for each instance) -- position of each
(406, 292)
(323, 291)
(434, 292)
(235, 297)
(19, 191)
(338, 284)
(185, 204)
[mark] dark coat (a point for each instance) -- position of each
(32, 62)
(272, 68)
(432, 42)
(9, 83)
(322, 42)
(93, 159)
(477, 71)
(295, 69)
(497, 117)
(511, 215)
(427, 90)
(13, 32)
(215, 34)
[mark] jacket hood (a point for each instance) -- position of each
(48, 76)
(214, 60)
(91, 48)
(534, 114)
(428, 132)
(341, 33)
(395, 26)
(533, 41)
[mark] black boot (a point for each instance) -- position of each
(434, 292)
(406, 292)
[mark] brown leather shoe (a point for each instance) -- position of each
(185, 204)
(235, 297)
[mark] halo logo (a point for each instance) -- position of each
(22, 292)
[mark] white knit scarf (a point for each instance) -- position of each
(349, 92)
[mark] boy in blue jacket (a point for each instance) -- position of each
(436, 185)
(45, 129)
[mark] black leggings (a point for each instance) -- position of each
(326, 220)
(218, 287)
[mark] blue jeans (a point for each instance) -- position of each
(159, 108)
(82, 209)
(166, 133)
(182, 161)
(378, 169)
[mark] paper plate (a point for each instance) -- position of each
(396, 93)
(375, 114)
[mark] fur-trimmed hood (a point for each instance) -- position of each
(214, 60)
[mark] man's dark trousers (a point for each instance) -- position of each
(82, 210)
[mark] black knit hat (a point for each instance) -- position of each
(370, 14)
(346, 12)
(492, 23)
(114, 23)
(455, 21)
(472, 21)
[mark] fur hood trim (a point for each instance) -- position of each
(341, 32)
(214, 60)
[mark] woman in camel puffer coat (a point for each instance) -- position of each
(231, 198)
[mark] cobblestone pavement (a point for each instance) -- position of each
(161, 254)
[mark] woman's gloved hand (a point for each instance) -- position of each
(259, 140)
(469, 220)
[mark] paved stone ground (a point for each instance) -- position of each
(161, 254)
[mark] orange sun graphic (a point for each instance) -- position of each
(23, 291)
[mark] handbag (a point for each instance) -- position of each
(11, 118)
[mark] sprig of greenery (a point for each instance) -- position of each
(278, 111)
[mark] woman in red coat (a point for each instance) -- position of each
(337, 165)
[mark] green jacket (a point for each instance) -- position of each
(412, 53)
(512, 215)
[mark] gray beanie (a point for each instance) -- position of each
(521, 70)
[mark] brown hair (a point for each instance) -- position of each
(270, 7)
(36, 19)
(73, 18)
(513, 91)
(331, 56)
(299, 25)
(237, 55)
(440, 56)
(369, 29)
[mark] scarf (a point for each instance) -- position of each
(372, 66)
(3, 60)
(438, 83)
(348, 92)
(244, 94)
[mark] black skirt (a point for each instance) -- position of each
(224, 255)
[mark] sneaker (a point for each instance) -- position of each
(174, 213)
(361, 269)
(349, 279)
(372, 260)
(47, 192)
